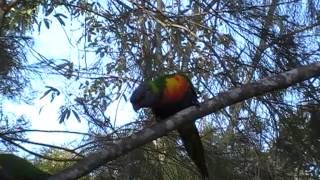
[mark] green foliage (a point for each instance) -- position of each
(59, 160)
(54, 166)
(297, 146)
(20, 169)
(12, 80)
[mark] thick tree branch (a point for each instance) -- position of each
(123, 146)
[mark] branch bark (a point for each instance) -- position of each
(125, 145)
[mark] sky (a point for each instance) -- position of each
(53, 43)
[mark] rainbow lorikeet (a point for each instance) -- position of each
(166, 96)
(15, 168)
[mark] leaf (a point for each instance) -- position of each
(58, 16)
(47, 22)
(55, 92)
(46, 93)
(76, 115)
(125, 98)
(61, 21)
(64, 114)
(49, 10)
(68, 113)
(40, 109)
(39, 26)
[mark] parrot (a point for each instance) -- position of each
(13, 167)
(165, 96)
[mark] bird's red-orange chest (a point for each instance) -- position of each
(175, 89)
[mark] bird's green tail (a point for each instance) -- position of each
(191, 140)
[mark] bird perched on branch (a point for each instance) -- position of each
(166, 96)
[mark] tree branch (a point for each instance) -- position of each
(125, 145)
